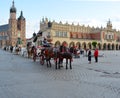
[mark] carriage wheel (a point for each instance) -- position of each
(42, 59)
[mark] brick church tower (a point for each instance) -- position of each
(17, 28)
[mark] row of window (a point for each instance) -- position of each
(60, 34)
(109, 37)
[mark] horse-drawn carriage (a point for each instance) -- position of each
(45, 54)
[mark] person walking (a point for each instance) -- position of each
(96, 55)
(89, 56)
(11, 49)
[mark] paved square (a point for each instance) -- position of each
(22, 78)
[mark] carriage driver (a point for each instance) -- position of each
(45, 43)
(63, 48)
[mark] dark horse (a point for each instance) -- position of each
(58, 57)
(46, 55)
(67, 56)
(63, 53)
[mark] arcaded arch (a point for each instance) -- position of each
(89, 45)
(72, 44)
(65, 43)
(109, 47)
(116, 46)
(99, 46)
(57, 43)
(84, 45)
(78, 44)
(113, 47)
(104, 46)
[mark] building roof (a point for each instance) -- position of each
(13, 9)
(4, 28)
(21, 16)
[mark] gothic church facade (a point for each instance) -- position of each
(13, 33)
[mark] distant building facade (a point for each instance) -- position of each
(13, 33)
(78, 35)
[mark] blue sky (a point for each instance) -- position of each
(88, 12)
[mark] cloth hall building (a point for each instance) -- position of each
(81, 36)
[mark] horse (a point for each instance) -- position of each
(59, 56)
(17, 50)
(46, 54)
(64, 53)
(30, 51)
(67, 56)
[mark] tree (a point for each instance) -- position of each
(94, 44)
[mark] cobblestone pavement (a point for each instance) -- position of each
(22, 78)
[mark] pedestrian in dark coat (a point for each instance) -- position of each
(89, 56)
(11, 49)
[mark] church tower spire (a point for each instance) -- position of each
(21, 24)
(13, 24)
(109, 25)
(13, 11)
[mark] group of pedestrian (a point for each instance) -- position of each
(96, 53)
